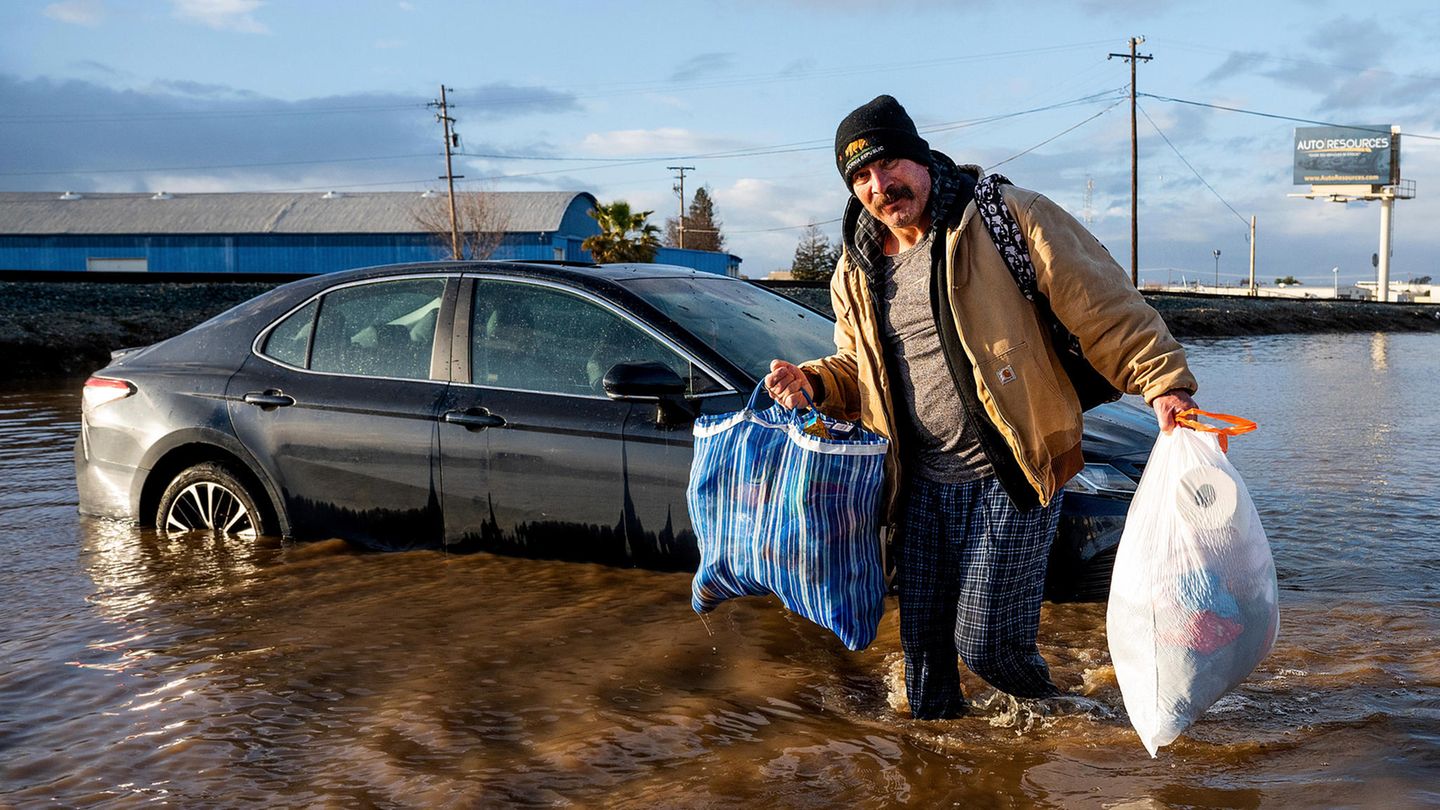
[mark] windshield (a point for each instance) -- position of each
(747, 324)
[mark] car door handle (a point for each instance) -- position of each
(269, 398)
(474, 419)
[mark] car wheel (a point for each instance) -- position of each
(210, 498)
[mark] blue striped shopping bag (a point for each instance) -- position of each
(779, 511)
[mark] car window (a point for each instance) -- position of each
(746, 324)
(535, 338)
(385, 329)
(289, 341)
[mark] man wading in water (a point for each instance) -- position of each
(937, 349)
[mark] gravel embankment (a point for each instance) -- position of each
(60, 328)
(1193, 316)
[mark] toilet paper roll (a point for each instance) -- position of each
(1207, 499)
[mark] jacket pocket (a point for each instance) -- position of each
(1016, 376)
(1021, 382)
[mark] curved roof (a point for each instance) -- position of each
(387, 212)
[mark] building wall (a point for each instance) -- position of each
(219, 253)
(705, 261)
(302, 254)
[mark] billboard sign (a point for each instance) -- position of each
(1366, 155)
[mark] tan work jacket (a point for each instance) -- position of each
(1015, 371)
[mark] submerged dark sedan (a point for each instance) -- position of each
(542, 410)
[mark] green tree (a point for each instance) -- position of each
(815, 257)
(1287, 281)
(625, 236)
(702, 230)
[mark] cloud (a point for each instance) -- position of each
(702, 64)
(663, 141)
(77, 12)
(1347, 76)
(99, 68)
(1350, 37)
(799, 67)
(492, 102)
(185, 87)
(209, 135)
(1240, 63)
(222, 15)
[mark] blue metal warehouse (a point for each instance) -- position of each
(285, 233)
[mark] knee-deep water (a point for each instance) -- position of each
(138, 669)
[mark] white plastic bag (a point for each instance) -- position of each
(1193, 600)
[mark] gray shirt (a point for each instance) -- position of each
(937, 441)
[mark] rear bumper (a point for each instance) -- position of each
(106, 489)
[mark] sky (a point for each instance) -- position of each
(250, 95)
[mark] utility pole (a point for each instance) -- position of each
(452, 139)
(680, 189)
(1133, 58)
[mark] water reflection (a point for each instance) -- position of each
(1380, 351)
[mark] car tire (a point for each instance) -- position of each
(209, 497)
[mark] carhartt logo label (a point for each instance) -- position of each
(1006, 375)
(855, 147)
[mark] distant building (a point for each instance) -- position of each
(285, 233)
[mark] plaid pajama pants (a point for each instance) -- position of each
(971, 577)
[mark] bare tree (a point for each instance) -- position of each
(702, 230)
(482, 220)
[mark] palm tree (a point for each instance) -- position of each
(624, 236)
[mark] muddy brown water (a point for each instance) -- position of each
(139, 670)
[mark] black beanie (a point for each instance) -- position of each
(880, 129)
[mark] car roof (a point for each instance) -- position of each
(577, 272)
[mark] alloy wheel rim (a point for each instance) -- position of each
(207, 506)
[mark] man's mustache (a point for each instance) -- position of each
(893, 194)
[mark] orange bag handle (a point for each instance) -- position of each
(1238, 425)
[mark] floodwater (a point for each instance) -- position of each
(139, 670)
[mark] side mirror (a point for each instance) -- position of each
(651, 382)
(648, 381)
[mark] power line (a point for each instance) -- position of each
(1188, 165)
(786, 227)
(1285, 117)
(1006, 160)
(621, 89)
(1056, 135)
(757, 151)
(639, 88)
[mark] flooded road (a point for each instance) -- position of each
(137, 669)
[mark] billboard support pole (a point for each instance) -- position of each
(1252, 254)
(1382, 282)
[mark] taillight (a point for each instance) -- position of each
(100, 390)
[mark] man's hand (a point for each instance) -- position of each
(787, 385)
(1170, 403)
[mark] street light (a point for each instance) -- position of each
(1336, 272)
(1216, 251)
